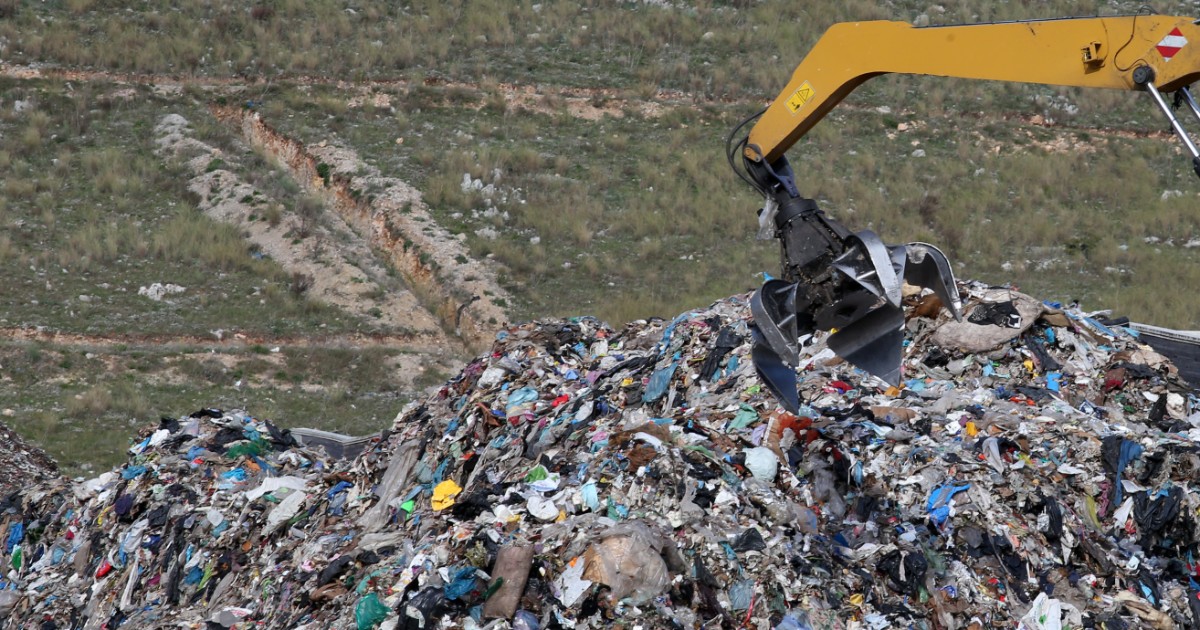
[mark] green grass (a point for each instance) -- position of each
(83, 406)
(97, 214)
(712, 48)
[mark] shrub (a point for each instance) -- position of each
(300, 283)
(309, 208)
(90, 404)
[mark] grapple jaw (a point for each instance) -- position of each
(849, 283)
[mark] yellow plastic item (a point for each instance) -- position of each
(444, 493)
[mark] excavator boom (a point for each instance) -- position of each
(1100, 52)
(849, 282)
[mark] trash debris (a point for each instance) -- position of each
(577, 475)
(21, 463)
(510, 575)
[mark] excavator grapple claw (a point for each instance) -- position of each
(855, 292)
(850, 283)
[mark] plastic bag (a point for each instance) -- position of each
(659, 381)
(463, 583)
(795, 620)
(1047, 614)
(444, 493)
(525, 620)
(370, 612)
(627, 560)
(741, 594)
(521, 403)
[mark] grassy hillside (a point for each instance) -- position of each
(91, 215)
(596, 132)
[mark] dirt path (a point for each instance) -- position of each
(231, 341)
(587, 103)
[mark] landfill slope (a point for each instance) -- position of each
(578, 476)
(22, 463)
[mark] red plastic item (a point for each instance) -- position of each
(106, 567)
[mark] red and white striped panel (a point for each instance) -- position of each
(1171, 44)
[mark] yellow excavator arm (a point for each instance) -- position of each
(1100, 52)
(850, 282)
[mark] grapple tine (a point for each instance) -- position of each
(873, 343)
(928, 267)
(779, 377)
(870, 263)
(774, 308)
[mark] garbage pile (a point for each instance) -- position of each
(1034, 470)
(21, 462)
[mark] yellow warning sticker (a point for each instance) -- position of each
(801, 96)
